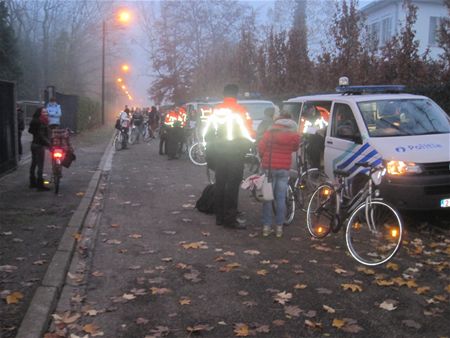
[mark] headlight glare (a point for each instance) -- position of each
(397, 168)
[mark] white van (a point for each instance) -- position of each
(409, 134)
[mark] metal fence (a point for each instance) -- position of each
(8, 127)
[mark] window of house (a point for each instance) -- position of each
(374, 30)
(435, 23)
(386, 31)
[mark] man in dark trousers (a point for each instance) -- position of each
(227, 141)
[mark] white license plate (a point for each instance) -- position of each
(445, 203)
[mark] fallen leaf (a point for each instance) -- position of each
(250, 303)
(447, 288)
(262, 272)
(229, 253)
(141, 321)
(340, 271)
(328, 309)
(278, 322)
(80, 194)
(300, 286)
(66, 318)
(159, 331)
(159, 291)
(292, 311)
(128, 296)
(310, 314)
(195, 245)
(14, 298)
(283, 297)
(135, 236)
(97, 274)
(324, 291)
(184, 301)
(243, 293)
(241, 330)
(167, 259)
(384, 282)
(252, 252)
(93, 330)
(115, 225)
(338, 323)
(352, 287)
(40, 262)
(365, 270)
(8, 268)
(113, 241)
(422, 290)
(389, 305)
(392, 266)
(229, 267)
(196, 329)
(312, 324)
(77, 236)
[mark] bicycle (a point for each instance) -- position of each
(374, 228)
(121, 139)
(59, 150)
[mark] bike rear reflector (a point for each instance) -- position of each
(394, 233)
(57, 154)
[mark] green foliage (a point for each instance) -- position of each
(9, 67)
(437, 92)
(89, 114)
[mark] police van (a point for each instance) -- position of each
(409, 134)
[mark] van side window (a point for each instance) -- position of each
(344, 123)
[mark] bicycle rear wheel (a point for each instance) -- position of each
(374, 233)
(290, 206)
(306, 184)
(56, 176)
(321, 211)
(197, 154)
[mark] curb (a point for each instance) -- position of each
(44, 300)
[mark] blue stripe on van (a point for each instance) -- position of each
(353, 157)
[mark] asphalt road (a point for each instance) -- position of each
(150, 265)
(32, 223)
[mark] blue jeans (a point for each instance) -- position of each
(280, 179)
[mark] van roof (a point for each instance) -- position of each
(354, 98)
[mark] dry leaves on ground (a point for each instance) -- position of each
(352, 287)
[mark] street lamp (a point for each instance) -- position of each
(125, 68)
(123, 17)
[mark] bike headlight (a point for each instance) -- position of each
(398, 168)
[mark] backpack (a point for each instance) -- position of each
(117, 125)
(206, 201)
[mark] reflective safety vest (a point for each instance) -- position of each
(171, 118)
(232, 122)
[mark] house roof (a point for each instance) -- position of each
(378, 4)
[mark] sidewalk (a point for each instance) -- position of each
(157, 267)
(32, 223)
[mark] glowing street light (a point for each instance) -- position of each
(119, 80)
(124, 87)
(125, 68)
(124, 16)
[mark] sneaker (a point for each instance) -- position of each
(279, 231)
(266, 231)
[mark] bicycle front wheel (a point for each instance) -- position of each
(321, 211)
(374, 233)
(306, 184)
(118, 142)
(197, 154)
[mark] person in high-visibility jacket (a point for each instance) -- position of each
(228, 138)
(175, 121)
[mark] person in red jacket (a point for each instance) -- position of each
(276, 148)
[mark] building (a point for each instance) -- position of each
(385, 18)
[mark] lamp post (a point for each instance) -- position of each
(123, 17)
(103, 70)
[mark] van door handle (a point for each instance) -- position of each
(329, 142)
